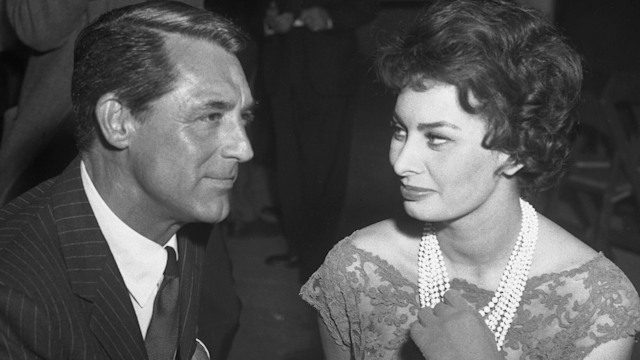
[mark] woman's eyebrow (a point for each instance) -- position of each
(251, 107)
(436, 124)
(429, 125)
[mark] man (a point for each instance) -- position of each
(35, 132)
(311, 71)
(161, 104)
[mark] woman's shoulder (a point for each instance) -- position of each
(390, 245)
(374, 233)
(385, 235)
(374, 249)
(558, 250)
(566, 262)
(363, 243)
(597, 296)
(594, 274)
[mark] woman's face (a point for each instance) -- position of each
(436, 151)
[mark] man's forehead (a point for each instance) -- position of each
(205, 63)
(187, 49)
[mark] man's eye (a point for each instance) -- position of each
(214, 117)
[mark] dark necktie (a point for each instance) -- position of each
(162, 336)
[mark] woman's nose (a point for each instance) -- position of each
(405, 159)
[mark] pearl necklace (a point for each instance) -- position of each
(433, 280)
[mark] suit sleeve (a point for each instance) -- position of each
(24, 328)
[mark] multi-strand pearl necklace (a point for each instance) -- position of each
(433, 280)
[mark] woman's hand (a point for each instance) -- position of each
(453, 330)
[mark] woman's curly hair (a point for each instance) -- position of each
(524, 77)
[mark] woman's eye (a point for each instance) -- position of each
(248, 118)
(398, 131)
(436, 140)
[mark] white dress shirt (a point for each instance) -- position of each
(141, 261)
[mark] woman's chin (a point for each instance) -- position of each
(415, 211)
(424, 213)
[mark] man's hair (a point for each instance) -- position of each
(523, 74)
(123, 52)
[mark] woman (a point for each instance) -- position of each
(481, 120)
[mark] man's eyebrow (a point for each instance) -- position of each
(228, 105)
(219, 105)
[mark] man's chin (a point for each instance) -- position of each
(214, 213)
(219, 218)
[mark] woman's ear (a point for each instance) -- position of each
(510, 166)
(117, 125)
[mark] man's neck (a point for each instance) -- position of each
(118, 191)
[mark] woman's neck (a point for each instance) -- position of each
(477, 247)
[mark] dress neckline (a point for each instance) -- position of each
(532, 282)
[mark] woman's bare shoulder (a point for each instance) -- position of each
(558, 250)
(385, 230)
(389, 239)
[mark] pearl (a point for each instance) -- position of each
(433, 280)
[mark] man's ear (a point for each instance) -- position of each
(117, 125)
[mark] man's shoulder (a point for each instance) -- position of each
(41, 200)
(27, 239)
(27, 204)
(29, 216)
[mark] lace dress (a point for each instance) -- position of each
(368, 306)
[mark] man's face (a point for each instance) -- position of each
(185, 155)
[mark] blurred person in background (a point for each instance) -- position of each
(310, 65)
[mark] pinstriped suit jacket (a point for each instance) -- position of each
(61, 293)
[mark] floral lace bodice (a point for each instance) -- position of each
(368, 306)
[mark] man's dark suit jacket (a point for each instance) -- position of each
(61, 293)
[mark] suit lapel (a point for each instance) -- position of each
(92, 270)
(191, 241)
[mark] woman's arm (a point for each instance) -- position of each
(332, 351)
(613, 350)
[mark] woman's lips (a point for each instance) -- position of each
(413, 193)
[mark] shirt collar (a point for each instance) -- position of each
(141, 261)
